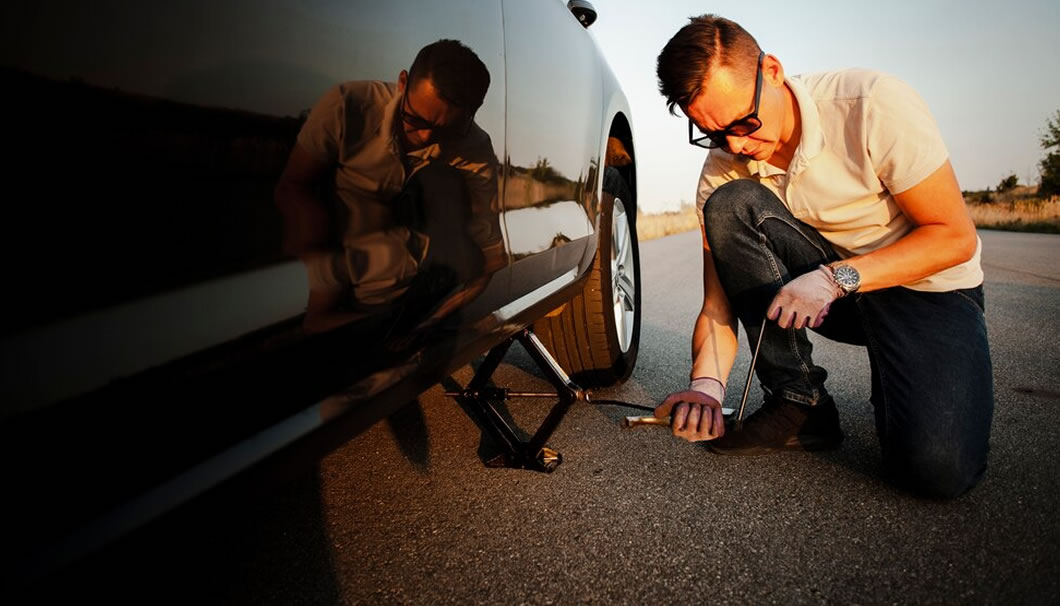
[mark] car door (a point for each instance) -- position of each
(157, 320)
(553, 146)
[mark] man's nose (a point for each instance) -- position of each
(420, 136)
(736, 144)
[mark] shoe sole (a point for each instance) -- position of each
(806, 444)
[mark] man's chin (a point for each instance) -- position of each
(760, 155)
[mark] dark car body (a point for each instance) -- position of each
(156, 341)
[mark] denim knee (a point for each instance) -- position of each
(934, 473)
(733, 203)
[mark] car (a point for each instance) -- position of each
(209, 270)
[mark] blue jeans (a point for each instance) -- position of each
(932, 383)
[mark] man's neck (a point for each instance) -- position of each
(790, 134)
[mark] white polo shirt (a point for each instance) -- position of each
(865, 137)
(352, 129)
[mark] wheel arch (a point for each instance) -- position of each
(621, 130)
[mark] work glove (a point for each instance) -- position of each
(694, 414)
(805, 300)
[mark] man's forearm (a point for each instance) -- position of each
(714, 345)
(922, 252)
(944, 237)
(714, 336)
(306, 223)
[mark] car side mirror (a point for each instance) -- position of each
(583, 11)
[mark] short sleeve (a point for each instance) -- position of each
(904, 142)
(718, 169)
(323, 129)
(478, 164)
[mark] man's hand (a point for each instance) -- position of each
(805, 300)
(694, 415)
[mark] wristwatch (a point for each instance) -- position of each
(846, 277)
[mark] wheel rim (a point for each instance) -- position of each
(623, 276)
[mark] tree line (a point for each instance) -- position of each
(1048, 167)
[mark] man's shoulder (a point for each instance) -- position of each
(474, 149)
(366, 91)
(721, 167)
(362, 105)
(347, 114)
(845, 84)
(477, 138)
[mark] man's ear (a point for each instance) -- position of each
(772, 70)
(403, 80)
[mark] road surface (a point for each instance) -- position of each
(407, 512)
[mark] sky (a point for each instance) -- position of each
(989, 71)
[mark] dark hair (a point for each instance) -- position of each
(456, 72)
(697, 48)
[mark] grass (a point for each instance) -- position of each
(659, 225)
(1029, 214)
(1021, 214)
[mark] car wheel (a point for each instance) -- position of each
(596, 335)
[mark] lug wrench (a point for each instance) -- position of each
(653, 420)
(750, 375)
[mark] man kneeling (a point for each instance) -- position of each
(828, 201)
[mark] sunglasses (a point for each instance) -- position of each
(447, 132)
(738, 128)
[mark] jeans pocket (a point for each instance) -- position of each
(973, 296)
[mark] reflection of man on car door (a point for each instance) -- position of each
(414, 184)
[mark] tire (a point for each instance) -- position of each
(596, 336)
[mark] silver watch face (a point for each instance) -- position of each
(847, 277)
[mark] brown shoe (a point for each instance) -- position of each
(783, 425)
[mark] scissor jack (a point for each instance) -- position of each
(532, 453)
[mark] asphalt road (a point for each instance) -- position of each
(407, 512)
